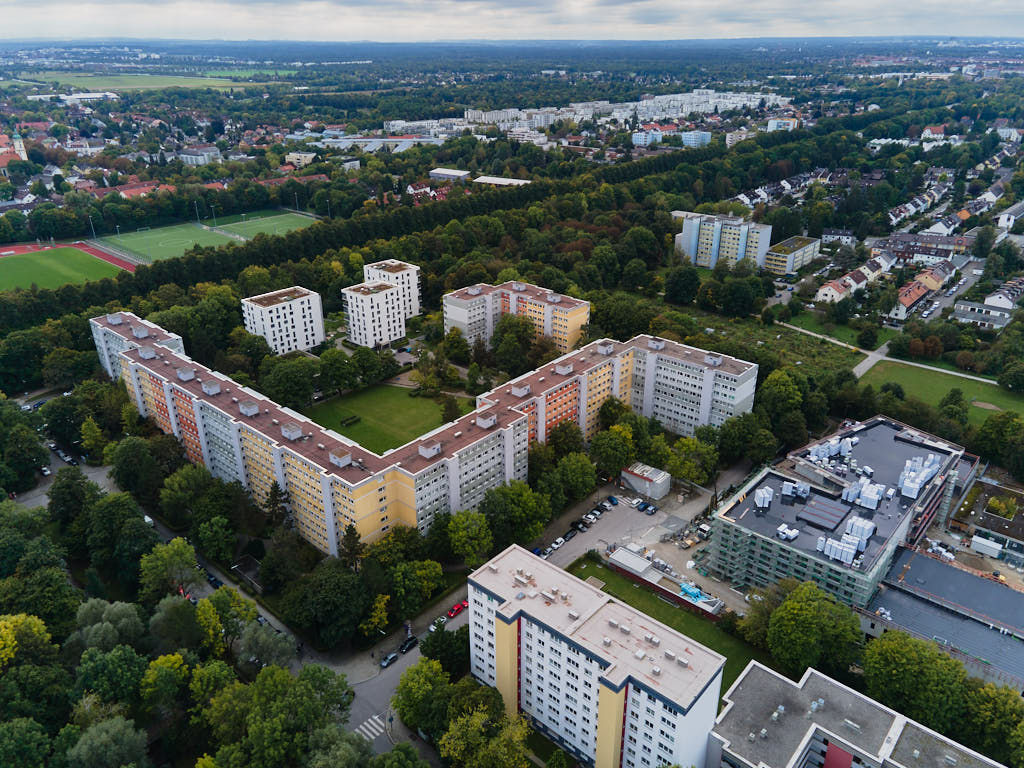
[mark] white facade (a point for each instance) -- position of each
(290, 319)
(707, 238)
(375, 314)
(404, 276)
(782, 124)
(449, 174)
(114, 333)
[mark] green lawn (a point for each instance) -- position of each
(165, 242)
(250, 72)
(932, 386)
(51, 268)
(389, 417)
(812, 321)
(131, 82)
(737, 652)
(275, 223)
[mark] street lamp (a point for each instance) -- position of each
(296, 202)
(92, 227)
(118, 228)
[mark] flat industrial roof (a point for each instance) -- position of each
(279, 297)
(584, 617)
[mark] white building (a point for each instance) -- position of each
(841, 236)
(782, 124)
(733, 138)
(610, 685)
(290, 319)
(707, 238)
(695, 138)
(449, 174)
(500, 181)
(121, 331)
(300, 159)
(404, 276)
(375, 313)
(646, 138)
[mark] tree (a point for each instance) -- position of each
(23, 743)
(182, 490)
(1012, 377)
(634, 275)
(991, 714)
(336, 371)
(558, 759)
(456, 348)
(216, 540)
(290, 381)
(576, 474)
(71, 494)
(681, 285)
(103, 625)
(737, 298)
(113, 675)
(809, 629)
(332, 746)
(377, 619)
(402, 755)
(24, 454)
(767, 316)
(868, 337)
(473, 740)
(275, 504)
(470, 537)
(916, 678)
(422, 695)
(413, 583)
(450, 410)
(693, 460)
(134, 468)
(762, 603)
(173, 625)
(564, 438)
(112, 743)
(162, 682)
(351, 547)
(169, 568)
(611, 451)
(45, 593)
(262, 646)
(515, 513)
(778, 395)
(93, 441)
(329, 603)
(450, 649)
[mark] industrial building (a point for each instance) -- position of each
(610, 685)
(240, 435)
(290, 319)
(476, 309)
(770, 721)
(706, 239)
(835, 511)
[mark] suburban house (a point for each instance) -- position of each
(910, 296)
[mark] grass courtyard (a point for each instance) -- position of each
(812, 321)
(165, 242)
(737, 652)
(389, 417)
(51, 268)
(932, 385)
(271, 223)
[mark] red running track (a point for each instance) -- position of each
(10, 250)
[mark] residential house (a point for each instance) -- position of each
(937, 276)
(841, 236)
(1007, 295)
(832, 292)
(910, 296)
(981, 315)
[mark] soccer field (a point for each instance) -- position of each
(165, 242)
(273, 224)
(51, 268)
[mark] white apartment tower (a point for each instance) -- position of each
(610, 685)
(375, 313)
(706, 239)
(405, 277)
(290, 319)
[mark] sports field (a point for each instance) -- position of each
(129, 82)
(932, 385)
(274, 223)
(164, 242)
(389, 417)
(51, 268)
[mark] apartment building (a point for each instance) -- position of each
(404, 276)
(791, 254)
(770, 721)
(612, 686)
(290, 319)
(837, 510)
(476, 309)
(707, 238)
(120, 331)
(782, 124)
(375, 313)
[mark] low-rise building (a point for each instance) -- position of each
(981, 315)
(375, 313)
(290, 319)
(610, 685)
(936, 276)
(404, 276)
(201, 154)
(1007, 295)
(832, 292)
(500, 181)
(787, 257)
(908, 298)
(300, 159)
(449, 174)
(841, 236)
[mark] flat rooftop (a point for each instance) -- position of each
(122, 323)
(368, 289)
(585, 616)
(279, 297)
(854, 722)
(517, 288)
(791, 244)
(392, 266)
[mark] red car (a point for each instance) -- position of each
(458, 608)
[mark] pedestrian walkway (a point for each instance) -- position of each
(371, 728)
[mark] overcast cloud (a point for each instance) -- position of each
(409, 20)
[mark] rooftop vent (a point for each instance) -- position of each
(574, 615)
(639, 654)
(624, 629)
(553, 298)
(492, 568)
(520, 390)
(950, 760)
(548, 596)
(486, 420)
(321, 446)
(186, 374)
(140, 331)
(115, 319)
(340, 458)
(916, 753)
(684, 663)
(563, 369)
(763, 733)
(147, 353)
(751, 736)
(656, 343)
(291, 431)
(606, 642)
(613, 623)
(670, 655)
(522, 580)
(429, 450)
(211, 387)
(473, 290)
(714, 360)
(249, 408)
(605, 349)
(656, 671)
(851, 725)
(518, 286)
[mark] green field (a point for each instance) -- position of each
(737, 652)
(389, 416)
(812, 321)
(165, 242)
(250, 72)
(133, 82)
(932, 385)
(52, 268)
(272, 224)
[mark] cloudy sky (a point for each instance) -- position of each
(410, 20)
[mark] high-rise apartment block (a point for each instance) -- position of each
(375, 313)
(707, 239)
(290, 319)
(404, 276)
(240, 435)
(610, 685)
(476, 309)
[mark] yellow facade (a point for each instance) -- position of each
(306, 497)
(611, 708)
(258, 461)
(506, 655)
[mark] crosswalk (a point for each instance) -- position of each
(371, 728)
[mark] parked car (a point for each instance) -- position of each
(580, 525)
(605, 505)
(439, 622)
(613, 501)
(557, 543)
(651, 509)
(261, 620)
(570, 534)
(547, 552)
(590, 518)
(45, 471)
(634, 503)
(408, 644)
(455, 610)
(642, 506)
(597, 512)
(388, 660)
